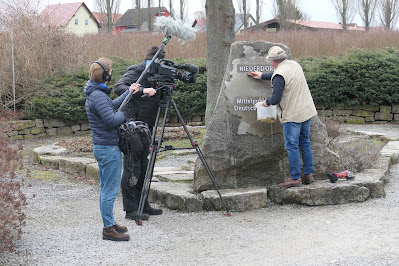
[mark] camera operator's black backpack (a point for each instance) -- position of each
(134, 140)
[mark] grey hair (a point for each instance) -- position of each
(280, 58)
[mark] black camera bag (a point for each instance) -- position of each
(135, 140)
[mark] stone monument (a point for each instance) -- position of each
(241, 151)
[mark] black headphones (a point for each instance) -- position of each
(106, 75)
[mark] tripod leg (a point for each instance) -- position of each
(155, 147)
(194, 144)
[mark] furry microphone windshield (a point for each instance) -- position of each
(171, 27)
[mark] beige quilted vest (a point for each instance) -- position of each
(296, 103)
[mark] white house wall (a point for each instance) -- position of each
(81, 29)
(250, 23)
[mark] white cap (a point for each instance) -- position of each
(275, 52)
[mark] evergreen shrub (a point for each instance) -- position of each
(62, 97)
(358, 78)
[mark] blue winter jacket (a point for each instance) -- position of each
(100, 110)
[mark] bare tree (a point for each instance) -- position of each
(149, 15)
(345, 11)
(388, 10)
(285, 10)
(220, 20)
(183, 5)
(107, 10)
(367, 10)
(243, 10)
(171, 13)
(257, 13)
(138, 8)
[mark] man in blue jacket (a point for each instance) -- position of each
(104, 122)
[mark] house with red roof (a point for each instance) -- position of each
(75, 18)
(199, 25)
(102, 18)
(137, 19)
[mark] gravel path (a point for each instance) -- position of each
(64, 228)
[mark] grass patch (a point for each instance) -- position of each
(359, 154)
(45, 175)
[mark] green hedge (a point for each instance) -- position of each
(62, 97)
(358, 78)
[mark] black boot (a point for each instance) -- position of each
(150, 210)
(133, 215)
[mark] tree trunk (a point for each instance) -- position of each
(244, 8)
(220, 21)
(149, 16)
(257, 14)
(139, 20)
(181, 10)
(109, 15)
(171, 9)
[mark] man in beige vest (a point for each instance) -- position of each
(295, 108)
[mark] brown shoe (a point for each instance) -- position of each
(291, 183)
(307, 179)
(110, 233)
(120, 228)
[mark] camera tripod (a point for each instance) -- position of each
(166, 102)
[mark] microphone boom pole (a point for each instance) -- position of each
(171, 28)
(129, 96)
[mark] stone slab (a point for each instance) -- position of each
(171, 176)
(49, 161)
(165, 169)
(75, 165)
(321, 192)
(92, 171)
(48, 150)
(175, 196)
(238, 200)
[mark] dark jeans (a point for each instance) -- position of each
(134, 167)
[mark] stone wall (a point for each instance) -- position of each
(362, 114)
(29, 129)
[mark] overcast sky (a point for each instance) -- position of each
(316, 10)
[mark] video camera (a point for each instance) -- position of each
(166, 71)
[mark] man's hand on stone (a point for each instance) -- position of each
(255, 74)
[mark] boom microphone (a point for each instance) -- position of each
(171, 27)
